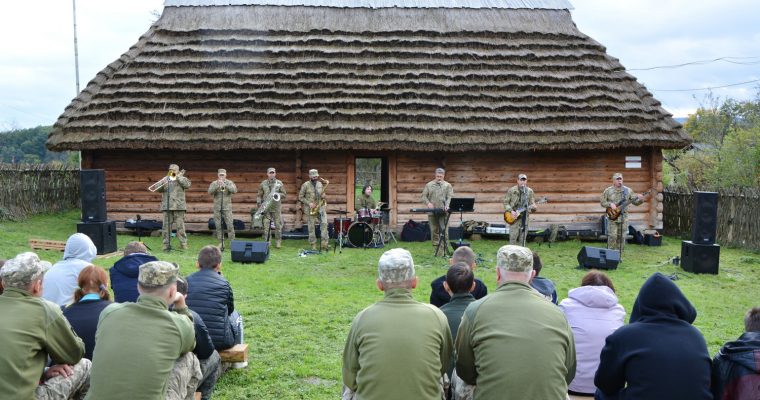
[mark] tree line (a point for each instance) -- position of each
(27, 146)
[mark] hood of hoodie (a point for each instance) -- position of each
(80, 247)
(744, 351)
(129, 265)
(594, 296)
(659, 297)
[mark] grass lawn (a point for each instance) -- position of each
(297, 310)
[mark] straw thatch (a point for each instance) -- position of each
(424, 79)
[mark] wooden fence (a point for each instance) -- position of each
(33, 189)
(738, 216)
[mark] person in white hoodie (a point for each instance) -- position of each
(593, 313)
(59, 283)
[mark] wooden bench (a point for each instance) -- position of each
(236, 353)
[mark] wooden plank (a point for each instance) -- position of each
(44, 244)
(237, 353)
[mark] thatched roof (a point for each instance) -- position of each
(501, 76)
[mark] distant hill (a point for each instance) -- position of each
(681, 120)
(28, 146)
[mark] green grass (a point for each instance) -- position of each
(298, 310)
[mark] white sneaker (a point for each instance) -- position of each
(239, 365)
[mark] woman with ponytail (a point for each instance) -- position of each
(90, 298)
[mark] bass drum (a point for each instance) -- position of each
(360, 234)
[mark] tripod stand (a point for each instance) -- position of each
(340, 235)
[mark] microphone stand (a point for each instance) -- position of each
(169, 213)
(222, 219)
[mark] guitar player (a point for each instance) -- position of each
(615, 197)
(519, 196)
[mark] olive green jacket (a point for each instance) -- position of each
(265, 188)
(365, 201)
(308, 194)
(173, 198)
(514, 199)
(439, 194)
(613, 195)
(222, 194)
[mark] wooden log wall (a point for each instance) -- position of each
(572, 181)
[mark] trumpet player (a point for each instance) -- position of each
(271, 194)
(311, 197)
(222, 190)
(173, 205)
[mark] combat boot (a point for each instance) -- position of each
(183, 246)
(278, 244)
(313, 246)
(325, 244)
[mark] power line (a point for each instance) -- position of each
(732, 60)
(707, 88)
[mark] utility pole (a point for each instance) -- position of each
(76, 49)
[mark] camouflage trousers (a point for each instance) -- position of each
(517, 237)
(438, 223)
(184, 378)
(177, 220)
(321, 219)
(211, 369)
(616, 233)
(274, 216)
(73, 387)
(226, 215)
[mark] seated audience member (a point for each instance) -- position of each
(593, 312)
(736, 367)
(90, 298)
(210, 295)
(543, 285)
(32, 330)
(439, 296)
(210, 361)
(459, 282)
(139, 345)
(61, 281)
(124, 272)
(659, 354)
(397, 348)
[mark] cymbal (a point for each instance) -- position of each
(338, 212)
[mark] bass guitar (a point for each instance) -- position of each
(614, 213)
(508, 218)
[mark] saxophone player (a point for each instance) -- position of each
(173, 205)
(271, 194)
(312, 199)
(222, 190)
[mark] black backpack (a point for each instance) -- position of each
(415, 231)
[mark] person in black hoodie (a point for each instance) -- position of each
(659, 354)
(438, 294)
(736, 367)
(124, 272)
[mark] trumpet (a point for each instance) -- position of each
(163, 181)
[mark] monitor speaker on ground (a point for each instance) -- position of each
(103, 234)
(704, 226)
(92, 191)
(700, 258)
(249, 252)
(595, 257)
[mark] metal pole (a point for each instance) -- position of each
(76, 49)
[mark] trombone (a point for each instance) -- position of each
(171, 176)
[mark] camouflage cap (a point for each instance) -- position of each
(313, 173)
(522, 176)
(271, 169)
(173, 167)
(617, 175)
(221, 171)
(157, 274)
(514, 258)
(22, 270)
(395, 266)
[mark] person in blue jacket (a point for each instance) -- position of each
(124, 272)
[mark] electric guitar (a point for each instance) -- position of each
(508, 218)
(614, 213)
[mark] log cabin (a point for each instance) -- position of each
(486, 89)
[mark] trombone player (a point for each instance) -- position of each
(222, 190)
(269, 200)
(172, 188)
(312, 198)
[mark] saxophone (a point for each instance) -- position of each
(272, 197)
(322, 202)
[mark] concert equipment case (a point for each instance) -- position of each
(92, 191)
(700, 258)
(595, 257)
(249, 252)
(103, 234)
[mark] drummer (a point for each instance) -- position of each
(365, 202)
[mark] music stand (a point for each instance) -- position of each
(462, 205)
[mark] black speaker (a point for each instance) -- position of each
(103, 234)
(700, 258)
(92, 191)
(595, 257)
(704, 226)
(456, 232)
(248, 252)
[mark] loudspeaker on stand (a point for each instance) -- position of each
(92, 192)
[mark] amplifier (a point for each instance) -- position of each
(497, 229)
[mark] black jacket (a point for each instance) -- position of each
(659, 354)
(736, 369)
(204, 347)
(124, 276)
(83, 317)
(439, 296)
(210, 295)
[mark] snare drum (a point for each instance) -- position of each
(377, 217)
(337, 226)
(364, 215)
(360, 234)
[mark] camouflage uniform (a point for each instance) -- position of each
(74, 386)
(310, 193)
(184, 379)
(617, 229)
(223, 207)
(365, 202)
(513, 200)
(440, 195)
(274, 213)
(174, 207)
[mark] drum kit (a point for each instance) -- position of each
(367, 231)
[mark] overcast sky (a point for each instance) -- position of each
(37, 77)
